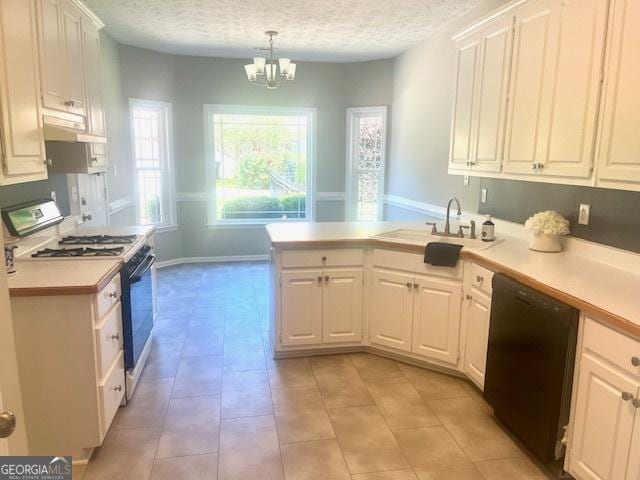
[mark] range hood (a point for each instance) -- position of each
(59, 133)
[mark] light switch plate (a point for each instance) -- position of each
(466, 180)
(483, 195)
(583, 214)
(54, 197)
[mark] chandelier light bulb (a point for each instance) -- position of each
(259, 63)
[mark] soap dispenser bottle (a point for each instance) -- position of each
(488, 230)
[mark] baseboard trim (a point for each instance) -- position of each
(219, 259)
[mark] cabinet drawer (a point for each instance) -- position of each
(612, 346)
(338, 257)
(481, 278)
(413, 262)
(109, 340)
(109, 296)
(112, 390)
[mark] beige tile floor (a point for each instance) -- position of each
(212, 404)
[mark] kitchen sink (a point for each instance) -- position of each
(422, 237)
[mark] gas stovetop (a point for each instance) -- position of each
(78, 252)
(97, 239)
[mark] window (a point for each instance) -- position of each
(152, 156)
(259, 163)
(366, 148)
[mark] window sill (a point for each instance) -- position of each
(166, 228)
(226, 225)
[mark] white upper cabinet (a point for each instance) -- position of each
(467, 53)
(93, 81)
(61, 57)
(436, 318)
(482, 76)
(22, 137)
(554, 88)
(619, 143)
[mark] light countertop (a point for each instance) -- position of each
(609, 292)
(62, 277)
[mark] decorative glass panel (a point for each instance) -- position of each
(370, 143)
(368, 193)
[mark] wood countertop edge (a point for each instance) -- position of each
(610, 319)
(67, 290)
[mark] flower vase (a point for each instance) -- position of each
(545, 242)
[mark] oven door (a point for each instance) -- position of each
(138, 310)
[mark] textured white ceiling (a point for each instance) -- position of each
(314, 30)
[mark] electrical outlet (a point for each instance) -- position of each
(583, 214)
(483, 195)
(114, 170)
(74, 194)
(466, 180)
(53, 195)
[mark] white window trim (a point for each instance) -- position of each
(171, 223)
(209, 111)
(351, 190)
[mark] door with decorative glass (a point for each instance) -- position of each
(366, 154)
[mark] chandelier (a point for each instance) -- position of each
(264, 71)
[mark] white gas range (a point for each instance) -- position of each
(41, 237)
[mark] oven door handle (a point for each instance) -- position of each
(139, 272)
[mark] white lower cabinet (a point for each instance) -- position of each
(436, 318)
(416, 314)
(391, 310)
(604, 422)
(478, 315)
(321, 306)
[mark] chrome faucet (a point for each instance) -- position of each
(447, 226)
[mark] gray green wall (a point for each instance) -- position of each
(417, 170)
(191, 82)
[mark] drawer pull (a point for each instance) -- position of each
(635, 361)
(118, 388)
(479, 279)
(115, 337)
(626, 396)
(113, 295)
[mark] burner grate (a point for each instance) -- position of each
(78, 252)
(97, 239)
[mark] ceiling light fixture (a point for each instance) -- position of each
(266, 72)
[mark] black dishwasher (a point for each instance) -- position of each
(532, 343)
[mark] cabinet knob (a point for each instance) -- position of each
(115, 337)
(626, 396)
(635, 361)
(320, 279)
(534, 166)
(70, 103)
(409, 284)
(326, 279)
(636, 402)
(468, 297)
(324, 259)
(113, 295)
(416, 286)
(540, 166)
(118, 388)
(479, 279)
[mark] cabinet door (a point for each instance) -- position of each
(342, 305)
(467, 53)
(571, 91)
(493, 82)
(436, 318)
(53, 71)
(391, 310)
(22, 145)
(95, 105)
(478, 312)
(603, 421)
(529, 70)
(71, 19)
(301, 307)
(619, 146)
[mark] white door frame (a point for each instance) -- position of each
(10, 396)
(351, 189)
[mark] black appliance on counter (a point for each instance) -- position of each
(530, 360)
(137, 304)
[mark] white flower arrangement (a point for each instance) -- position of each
(549, 222)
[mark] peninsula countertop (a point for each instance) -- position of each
(606, 291)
